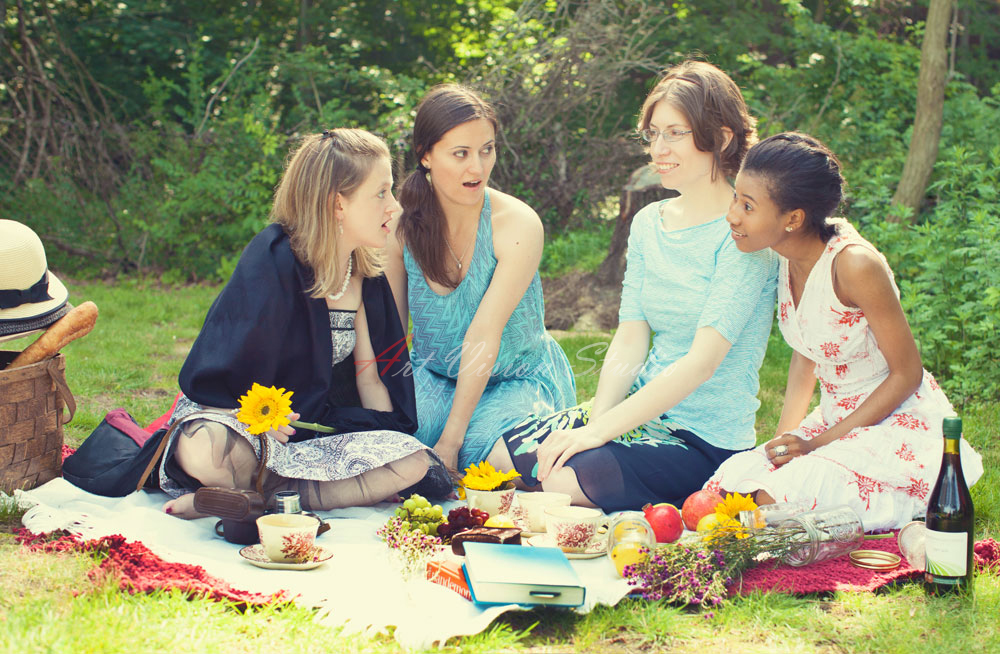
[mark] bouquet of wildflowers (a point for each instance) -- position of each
(699, 572)
(410, 549)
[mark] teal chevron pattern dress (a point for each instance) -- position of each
(531, 376)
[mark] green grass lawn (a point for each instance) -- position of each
(49, 603)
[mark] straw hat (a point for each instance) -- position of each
(31, 298)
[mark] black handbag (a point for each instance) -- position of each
(117, 458)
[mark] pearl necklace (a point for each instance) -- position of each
(347, 278)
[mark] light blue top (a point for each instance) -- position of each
(682, 280)
(531, 375)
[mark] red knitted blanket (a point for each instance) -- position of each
(840, 574)
(138, 570)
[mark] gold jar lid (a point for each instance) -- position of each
(875, 559)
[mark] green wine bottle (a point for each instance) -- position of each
(950, 521)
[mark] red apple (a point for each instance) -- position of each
(698, 505)
(665, 520)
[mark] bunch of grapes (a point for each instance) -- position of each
(461, 519)
(417, 514)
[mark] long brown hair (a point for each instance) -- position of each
(336, 161)
(422, 224)
(710, 100)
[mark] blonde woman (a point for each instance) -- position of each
(306, 309)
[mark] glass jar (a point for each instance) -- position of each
(912, 543)
(630, 537)
(769, 515)
(821, 535)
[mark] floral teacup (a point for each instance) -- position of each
(494, 502)
(574, 528)
(288, 537)
(534, 505)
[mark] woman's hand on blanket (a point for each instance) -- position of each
(786, 447)
(281, 434)
(561, 444)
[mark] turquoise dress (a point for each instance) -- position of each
(531, 376)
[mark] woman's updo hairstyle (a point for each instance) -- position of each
(710, 100)
(800, 173)
(421, 226)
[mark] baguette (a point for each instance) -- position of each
(78, 322)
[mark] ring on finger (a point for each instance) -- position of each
(780, 450)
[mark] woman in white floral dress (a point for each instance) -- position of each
(874, 441)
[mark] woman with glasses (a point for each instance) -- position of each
(465, 269)
(664, 417)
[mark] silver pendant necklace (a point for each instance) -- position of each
(458, 260)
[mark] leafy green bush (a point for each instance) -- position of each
(201, 166)
(948, 270)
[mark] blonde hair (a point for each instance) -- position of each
(336, 161)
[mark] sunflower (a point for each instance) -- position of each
(733, 504)
(724, 527)
(264, 408)
(485, 477)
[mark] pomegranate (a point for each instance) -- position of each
(665, 520)
(697, 506)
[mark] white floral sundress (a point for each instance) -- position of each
(885, 471)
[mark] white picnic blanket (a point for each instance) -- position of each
(358, 589)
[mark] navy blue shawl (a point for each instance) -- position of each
(265, 328)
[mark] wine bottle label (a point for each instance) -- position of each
(947, 553)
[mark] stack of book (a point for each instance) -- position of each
(504, 574)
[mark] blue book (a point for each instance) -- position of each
(510, 574)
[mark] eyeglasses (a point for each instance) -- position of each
(669, 136)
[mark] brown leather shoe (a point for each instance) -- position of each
(229, 503)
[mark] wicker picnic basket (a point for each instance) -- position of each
(31, 421)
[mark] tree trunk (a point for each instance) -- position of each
(643, 187)
(930, 105)
(303, 24)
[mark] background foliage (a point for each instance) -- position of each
(147, 135)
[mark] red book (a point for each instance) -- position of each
(449, 574)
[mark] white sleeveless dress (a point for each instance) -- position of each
(885, 471)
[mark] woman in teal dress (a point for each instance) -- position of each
(464, 265)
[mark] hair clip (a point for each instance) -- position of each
(327, 134)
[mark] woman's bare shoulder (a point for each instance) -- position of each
(510, 210)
